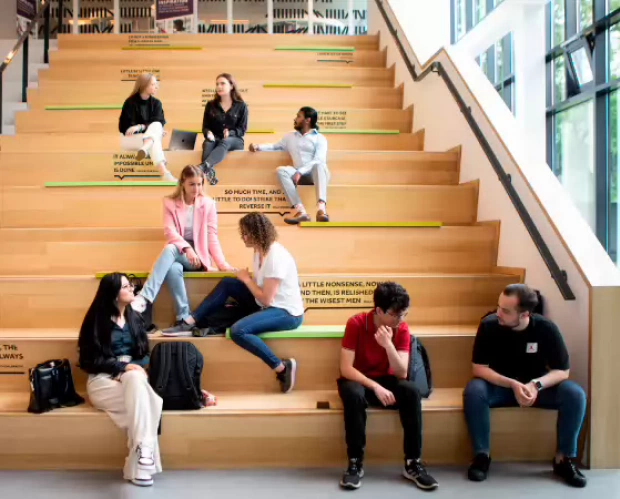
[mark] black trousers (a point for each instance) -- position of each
(356, 399)
(215, 152)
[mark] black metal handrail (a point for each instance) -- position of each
(558, 275)
(22, 42)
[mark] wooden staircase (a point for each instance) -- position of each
(73, 205)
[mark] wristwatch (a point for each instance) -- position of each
(539, 386)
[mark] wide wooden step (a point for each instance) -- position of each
(116, 206)
(54, 93)
(110, 142)
(189, 117)
(284, 73)
(153, 61)
(449, 350)
(346, 167)
(263, 431)
(437, 299)
(459, 249)
(209, 42)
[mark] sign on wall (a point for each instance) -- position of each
(26, 12)
(171, 9)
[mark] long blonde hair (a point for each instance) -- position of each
(190, 171)
(142, 81)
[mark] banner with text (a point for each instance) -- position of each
(171, 9)
(26, 12)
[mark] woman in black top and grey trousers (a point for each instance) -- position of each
(114, 351)
(224, 125)
(142, 124)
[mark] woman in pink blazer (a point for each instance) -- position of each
(190, 227)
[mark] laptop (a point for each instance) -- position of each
(182, 141)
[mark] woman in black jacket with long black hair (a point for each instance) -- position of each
(224, 124)
(142, 123)
(114, 351)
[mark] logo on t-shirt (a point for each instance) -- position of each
(531, 348)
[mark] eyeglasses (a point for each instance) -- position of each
(400, 317)
(127, 286)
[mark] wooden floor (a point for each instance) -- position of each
(54, 240)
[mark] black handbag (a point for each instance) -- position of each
(52, 387)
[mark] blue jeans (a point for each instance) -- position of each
(169, 268)
(255, 321)
(567, 397)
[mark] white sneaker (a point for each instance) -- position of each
(168, 177)
(147, 481)
(146, 459)
(139, 304)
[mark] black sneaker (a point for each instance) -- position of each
(203, 332)
(205, 167)
(181, 328)
(211, 178)
(567, 470)
(479, 468)
(287, 377)
(416, 472)
(352, 478)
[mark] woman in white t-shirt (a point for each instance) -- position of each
(270, 301)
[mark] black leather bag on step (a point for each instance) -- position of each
(52, 387)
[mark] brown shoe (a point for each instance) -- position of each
(297, 218)
(141, 155)
(321, 216)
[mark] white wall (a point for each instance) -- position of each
(426, 22)
(8, 21)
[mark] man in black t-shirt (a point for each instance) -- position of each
(520, 359)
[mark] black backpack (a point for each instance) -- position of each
(175, 372)
(420, 368)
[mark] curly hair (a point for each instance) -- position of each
(259, 230)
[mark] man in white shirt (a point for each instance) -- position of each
(308, 149)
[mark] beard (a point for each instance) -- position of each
(509, 324)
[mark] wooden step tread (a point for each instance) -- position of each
(317, 357)
(217, 275)
(102, 142)
(444, 399)
(72, 334)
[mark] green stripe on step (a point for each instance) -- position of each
(85, 107)
(307, 85)
(255, 130)
(190, 275)
(327, 225)
(316, 49)
(119, 183)
(172, 47)
(303, 332)
(360, 132)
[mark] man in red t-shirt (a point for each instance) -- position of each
(373, 368)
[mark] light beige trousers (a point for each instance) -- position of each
(133, 406)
